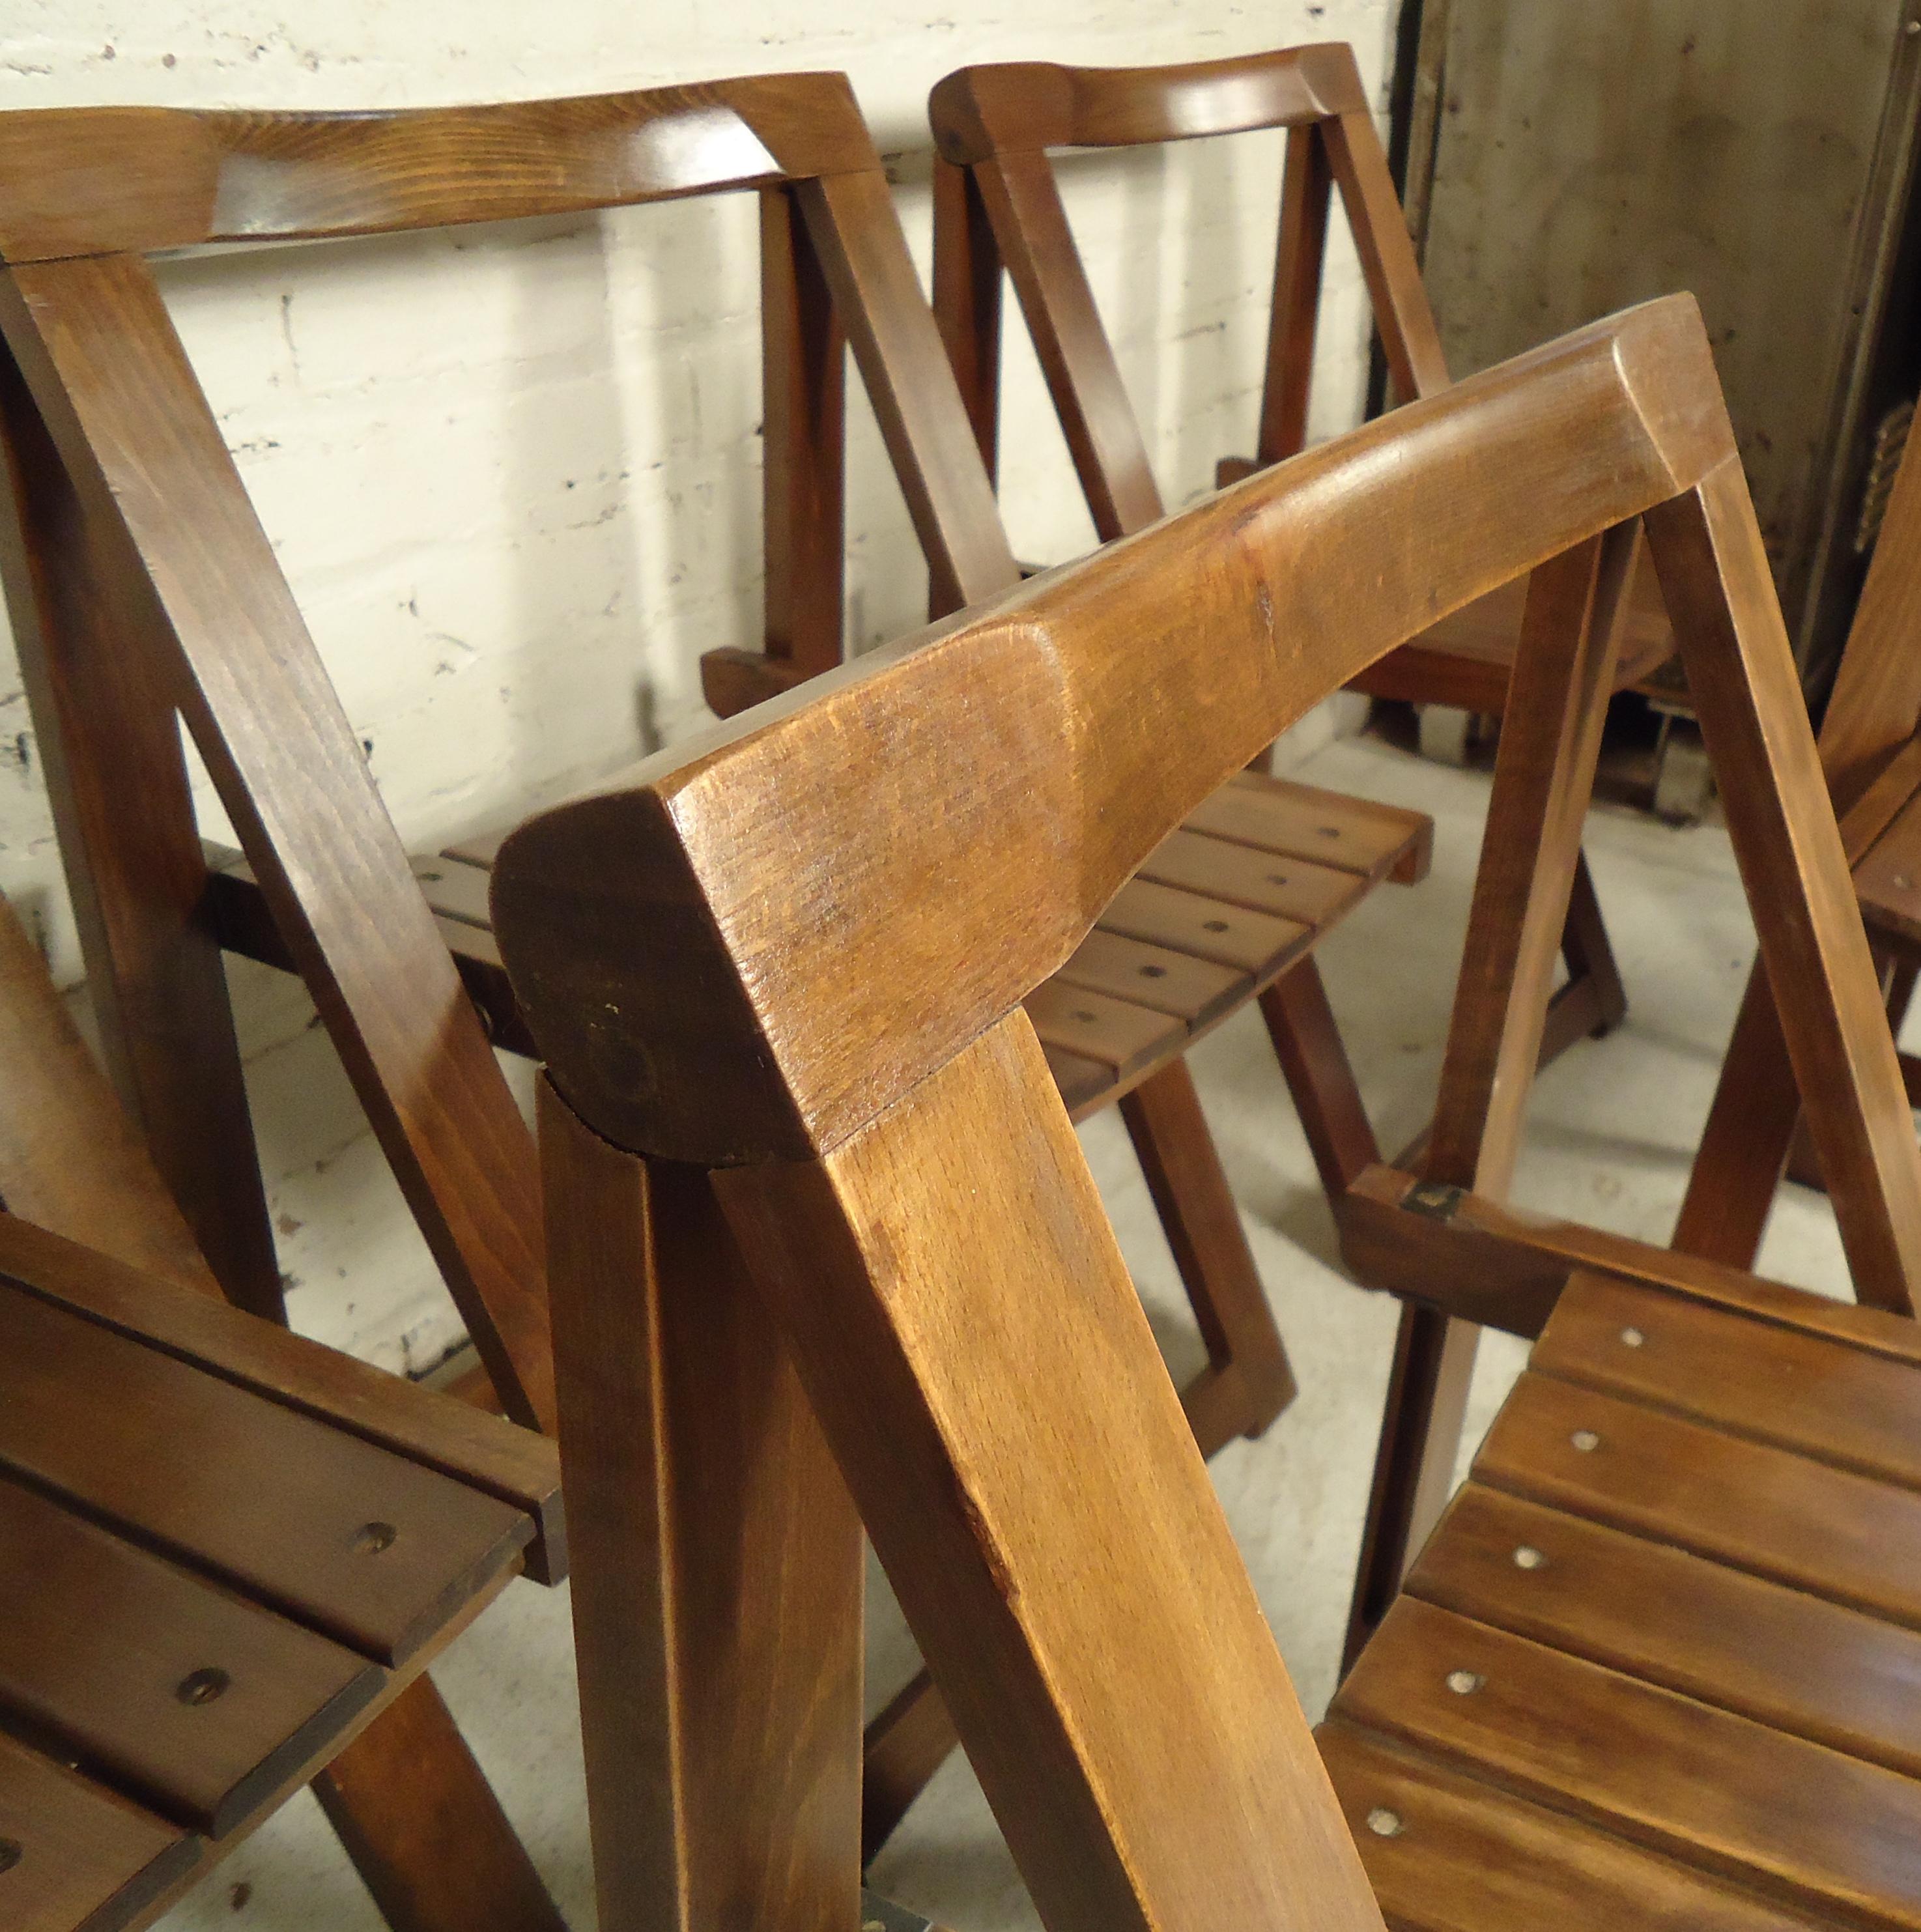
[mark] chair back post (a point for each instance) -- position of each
(110, 435)
(732, 961)
(997, 205)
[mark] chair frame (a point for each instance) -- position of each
(85, 1205)
(124, 518)
(744, 1032)
(1871, 754)
(997, 208)
(128, 518)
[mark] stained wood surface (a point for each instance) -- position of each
(137, 434)
(717, 1601)
(1702, 1785)
(869, 1103)
(281, 1505)
(68, 1158)
(1673, 1602)
(514, 1465)
(183, 176)
(1468, 1857)
(1040, 866)
(1018, 1616)
(83, 1859)
(97, 1637)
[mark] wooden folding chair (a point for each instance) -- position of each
(230, 1552)
(1871, 753)
(762, 1026)
(129, 522)
(997, 207)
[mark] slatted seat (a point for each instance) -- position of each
(1661, 1663)
(1658, 1666)
(1264, 868)
(228, 1550)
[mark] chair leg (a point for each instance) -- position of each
(1421, 1424)
(717, 1573)
(1593, 1002)
(424, 1830)
(1745, 1145)
(1314, 1060)
(1248, 1381)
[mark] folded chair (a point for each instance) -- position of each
(997, 207)
(1871, 754)
(129, 522)
(230, 1552)
(1658, 1667)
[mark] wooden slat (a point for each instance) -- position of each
(97, 1639)
(1888, 880)
(1780, 1656)
(1447, 1853)
(1188, 923)
(1840, 1404)
(1353, 835)
(1124, 1037)
(88, 1860)
(1193, 990)
(488, 1454)
(1713, 1789)
(455, 891)
(1778, 1515)
(1241, 875)
(289, 1510)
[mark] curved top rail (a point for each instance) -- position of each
(758, 941)
(86, 181)
(979, 111)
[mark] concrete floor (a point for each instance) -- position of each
(1611, 1131)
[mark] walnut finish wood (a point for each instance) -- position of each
(87, 1860)
(267, 1499)
(731, 960)
(422, 1825)
(998, 206)
(68, 1158)
(1871, 757)
(110, 743)
(1544, 775)
(717, 1610)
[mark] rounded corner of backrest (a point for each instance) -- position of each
(1665, 358)
(977, 112)
(1332, 75)
(107, 180)
(811, 122)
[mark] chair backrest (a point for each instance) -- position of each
(140, 581)
(793, 953)
(997, 204)
(1875, 707)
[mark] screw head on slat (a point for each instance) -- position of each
(1526, 1557)
(371, 1538)
(202, 1686)
(1465, 1683)
(1632, 1338)
(1585, 1440)
(1384, 1823)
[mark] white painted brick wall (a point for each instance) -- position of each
(513, 474)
